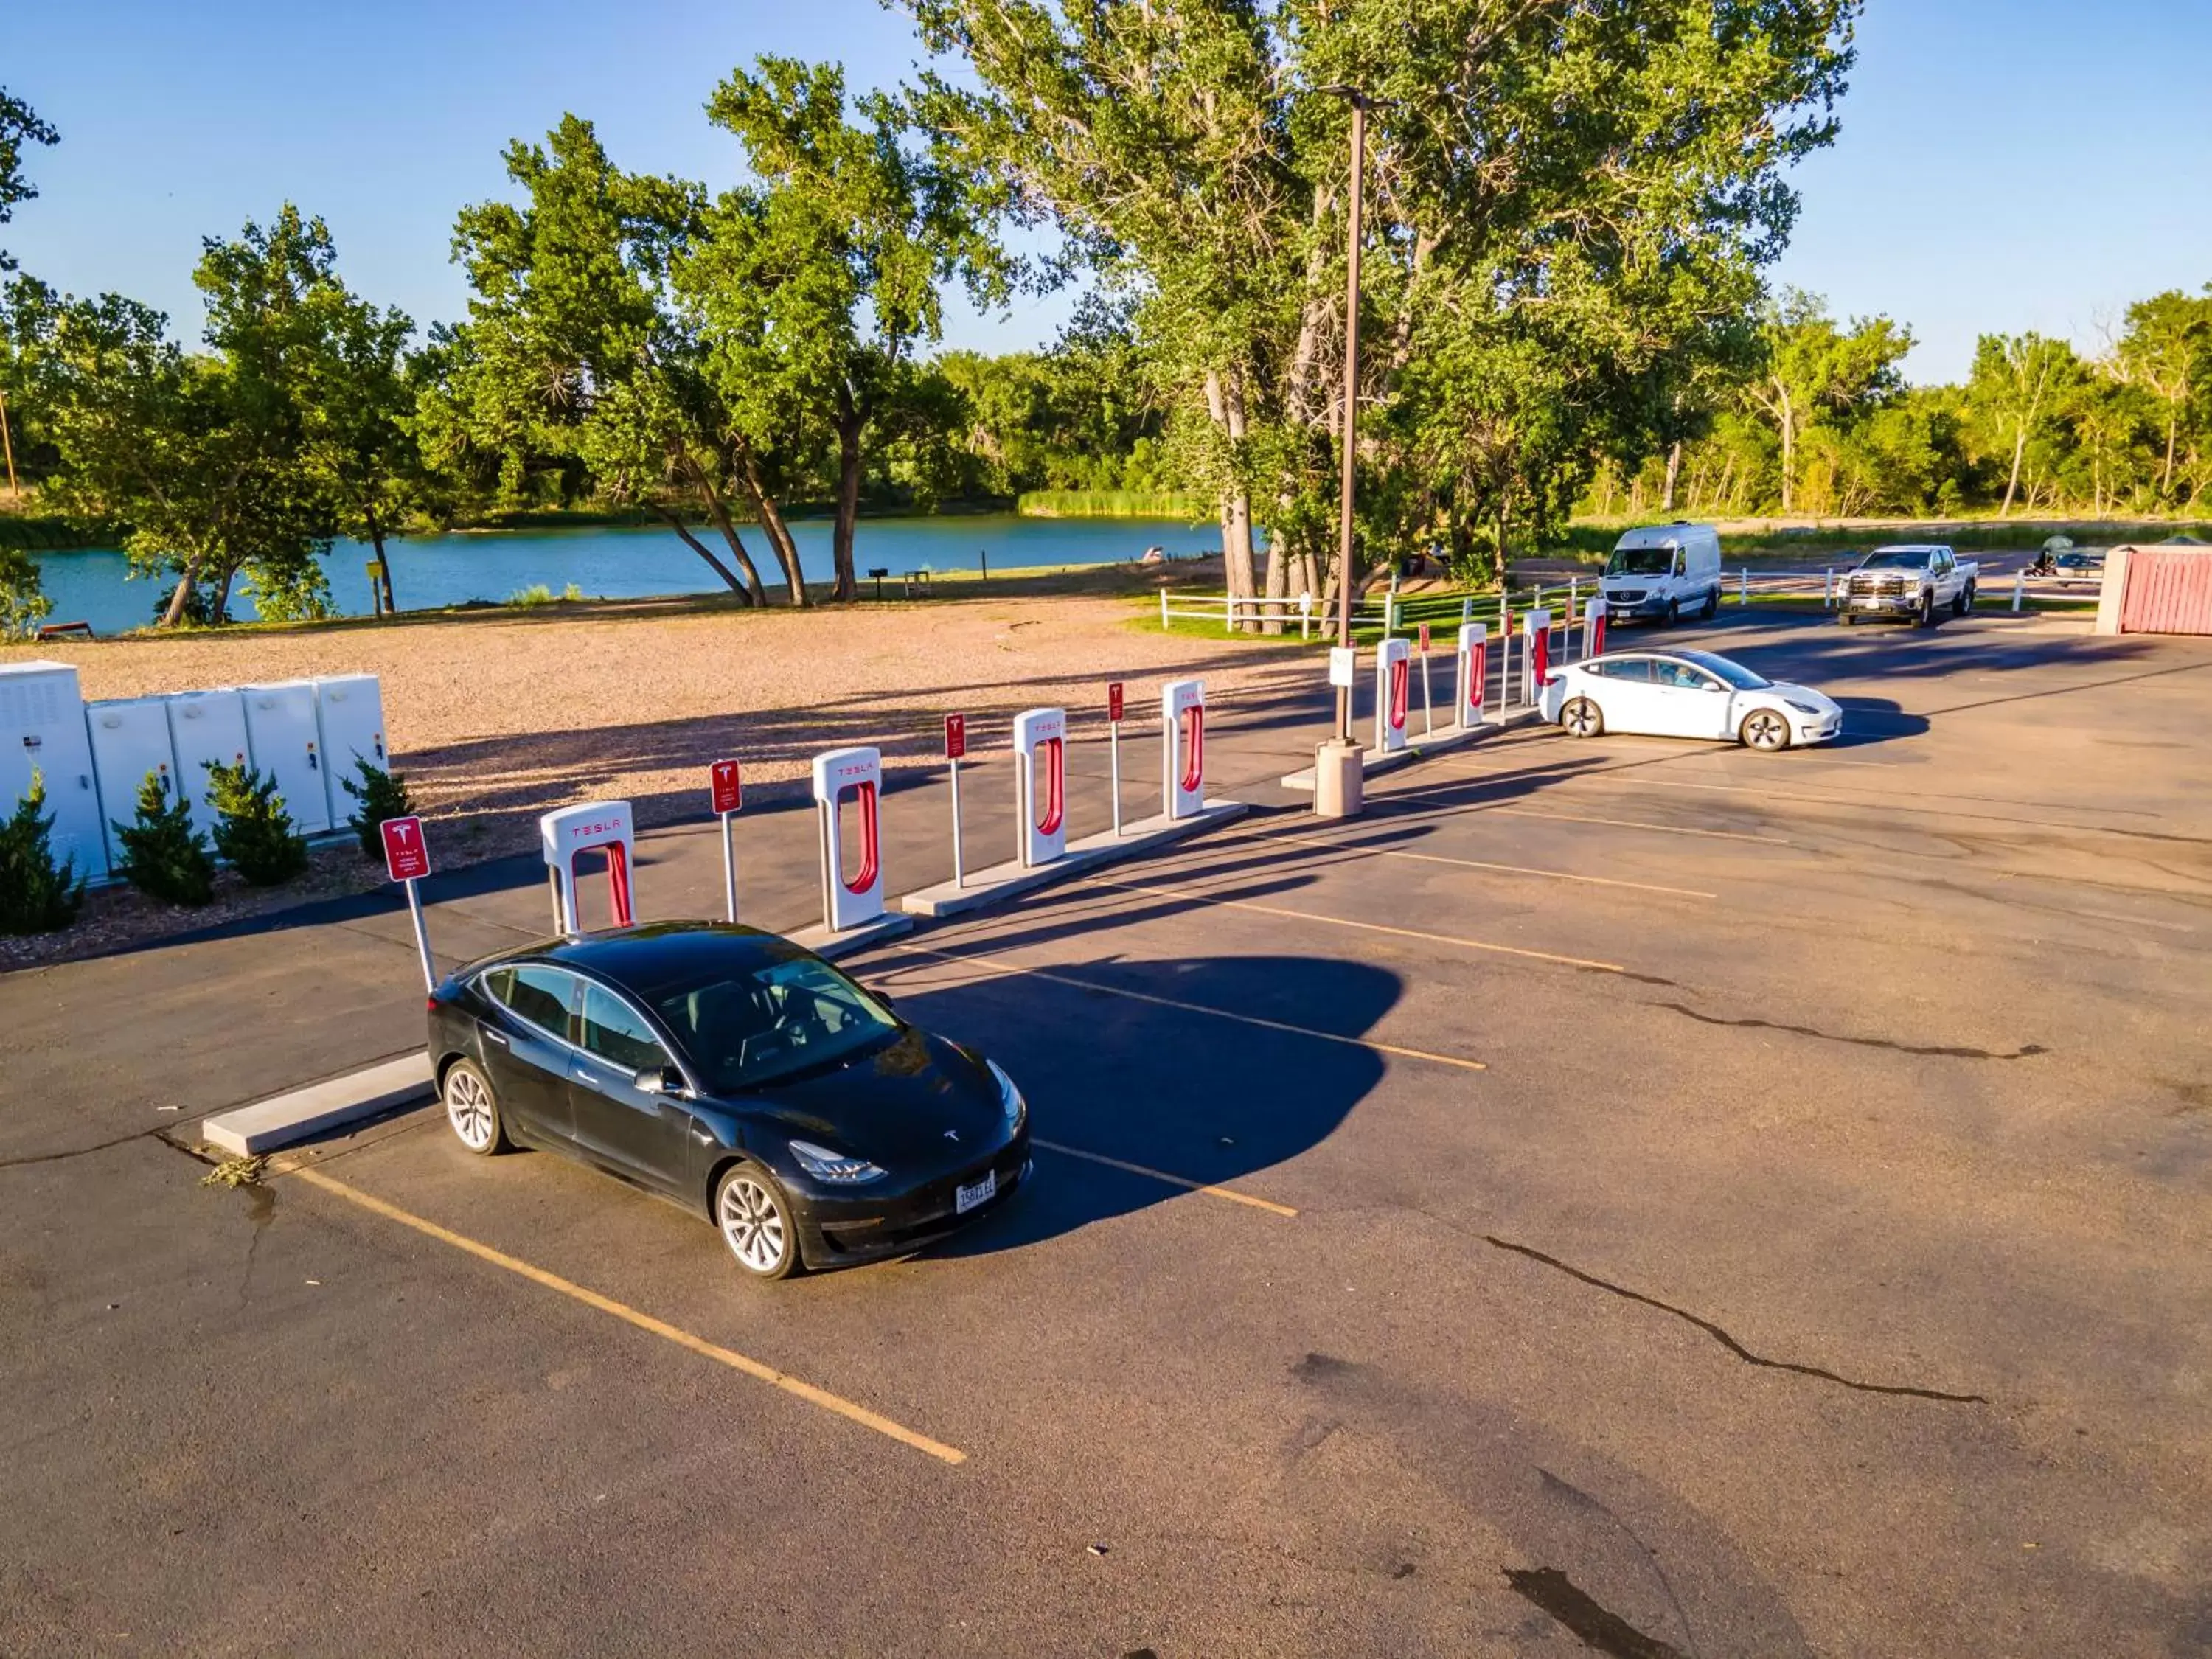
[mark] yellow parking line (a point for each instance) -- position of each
(1200, 898)
(1011, 971)
(644, 1321)
(1633, 823)
(1229, 1193)
(1480, 864)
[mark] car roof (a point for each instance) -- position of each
(1911, 547)
(646, 959)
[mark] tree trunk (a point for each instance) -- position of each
(675, 522)
(1224, 404)
(383, 564)
(687, 464)
(1673, 474)
(1789, 452)
(2173, 426)
(849, 422)
(175, 613)
(769, 512)
(219, 613)
(2012, 486)
(1497, 571)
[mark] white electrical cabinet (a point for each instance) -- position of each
(284, 741)
(42, 730)
(351, 709)
(130, 739)
(205, 726)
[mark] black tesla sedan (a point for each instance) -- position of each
(737, 1074)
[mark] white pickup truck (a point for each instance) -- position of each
(1912, 582)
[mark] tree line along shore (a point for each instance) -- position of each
(1567, 316)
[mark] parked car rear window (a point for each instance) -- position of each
(540, 995)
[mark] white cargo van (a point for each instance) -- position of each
(1663, 572)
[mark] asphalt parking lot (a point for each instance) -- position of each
(1626, 1196)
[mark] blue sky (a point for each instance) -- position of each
(2004, 164)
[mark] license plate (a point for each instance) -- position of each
(981, 1192)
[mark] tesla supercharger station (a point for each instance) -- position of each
(1183, 748)
(573, 833)
(857, 776)
(1536, 653)
(1040, 784)
(1393, 681)
(1593, 629)
(1473, 673)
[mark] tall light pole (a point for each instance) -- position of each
(1359, 102)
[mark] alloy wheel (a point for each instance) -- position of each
(752, 1223)
(469, 1110)
(1582, 719)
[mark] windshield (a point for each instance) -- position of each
(750, 1028)
(1898, 558)
(1640, 561)
(1734, 672)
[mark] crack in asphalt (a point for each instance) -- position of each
(1714, 1331)
(157, 1132)
(1940, 1052)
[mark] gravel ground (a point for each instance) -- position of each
(497, 716)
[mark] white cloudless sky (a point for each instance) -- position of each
(2004, 164)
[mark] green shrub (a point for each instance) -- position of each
(382, 795)
(23, 602)
(36, 895)
(526, 598)
(254, 833)
(163, 855)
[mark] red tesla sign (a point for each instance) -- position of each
(405, 855)
(1114, 702)
(728, 790)
(955, 737)
(1425, 639)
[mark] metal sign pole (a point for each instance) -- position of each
(1114, 766)
(421, 937)
(729, 866)
(959, 870)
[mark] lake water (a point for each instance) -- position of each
(430, 571)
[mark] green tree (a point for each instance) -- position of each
(19, 125)
(1626, 152)
(577, 360)
(253, 830)
(358, 399)
(164, 855)
(2014, 397)
(2168, 353)
(36, 895)
(23, 601)
(1812, 367)
(820, 285)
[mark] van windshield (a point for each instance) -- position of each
(1640, 561)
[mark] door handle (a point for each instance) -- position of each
(493, 1034)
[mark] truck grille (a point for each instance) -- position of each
(1626, 596)
(1883, 585)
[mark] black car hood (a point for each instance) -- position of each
(895, 1104)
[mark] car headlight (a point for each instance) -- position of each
(825, 1165)
(1010, 1098)
(1812, 708)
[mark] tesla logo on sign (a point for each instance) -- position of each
(1425, 639)
(1113, 703)
(728, 790)
(952, 1134)
(405, 855)
(955, 737)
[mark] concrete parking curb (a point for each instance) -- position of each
(1010, 880)
(283, 1120)
(1372, 760)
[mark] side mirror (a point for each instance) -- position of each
(660, 1080)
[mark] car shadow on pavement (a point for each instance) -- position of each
(1129, 1061)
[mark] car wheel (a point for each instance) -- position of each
(1764, 729)
(754, 1218)
(1673, 612)
(1964, 602)
(1712, 603)
(473, 1108)
(1927, 617)
(1844, 619)
(1582, 718)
